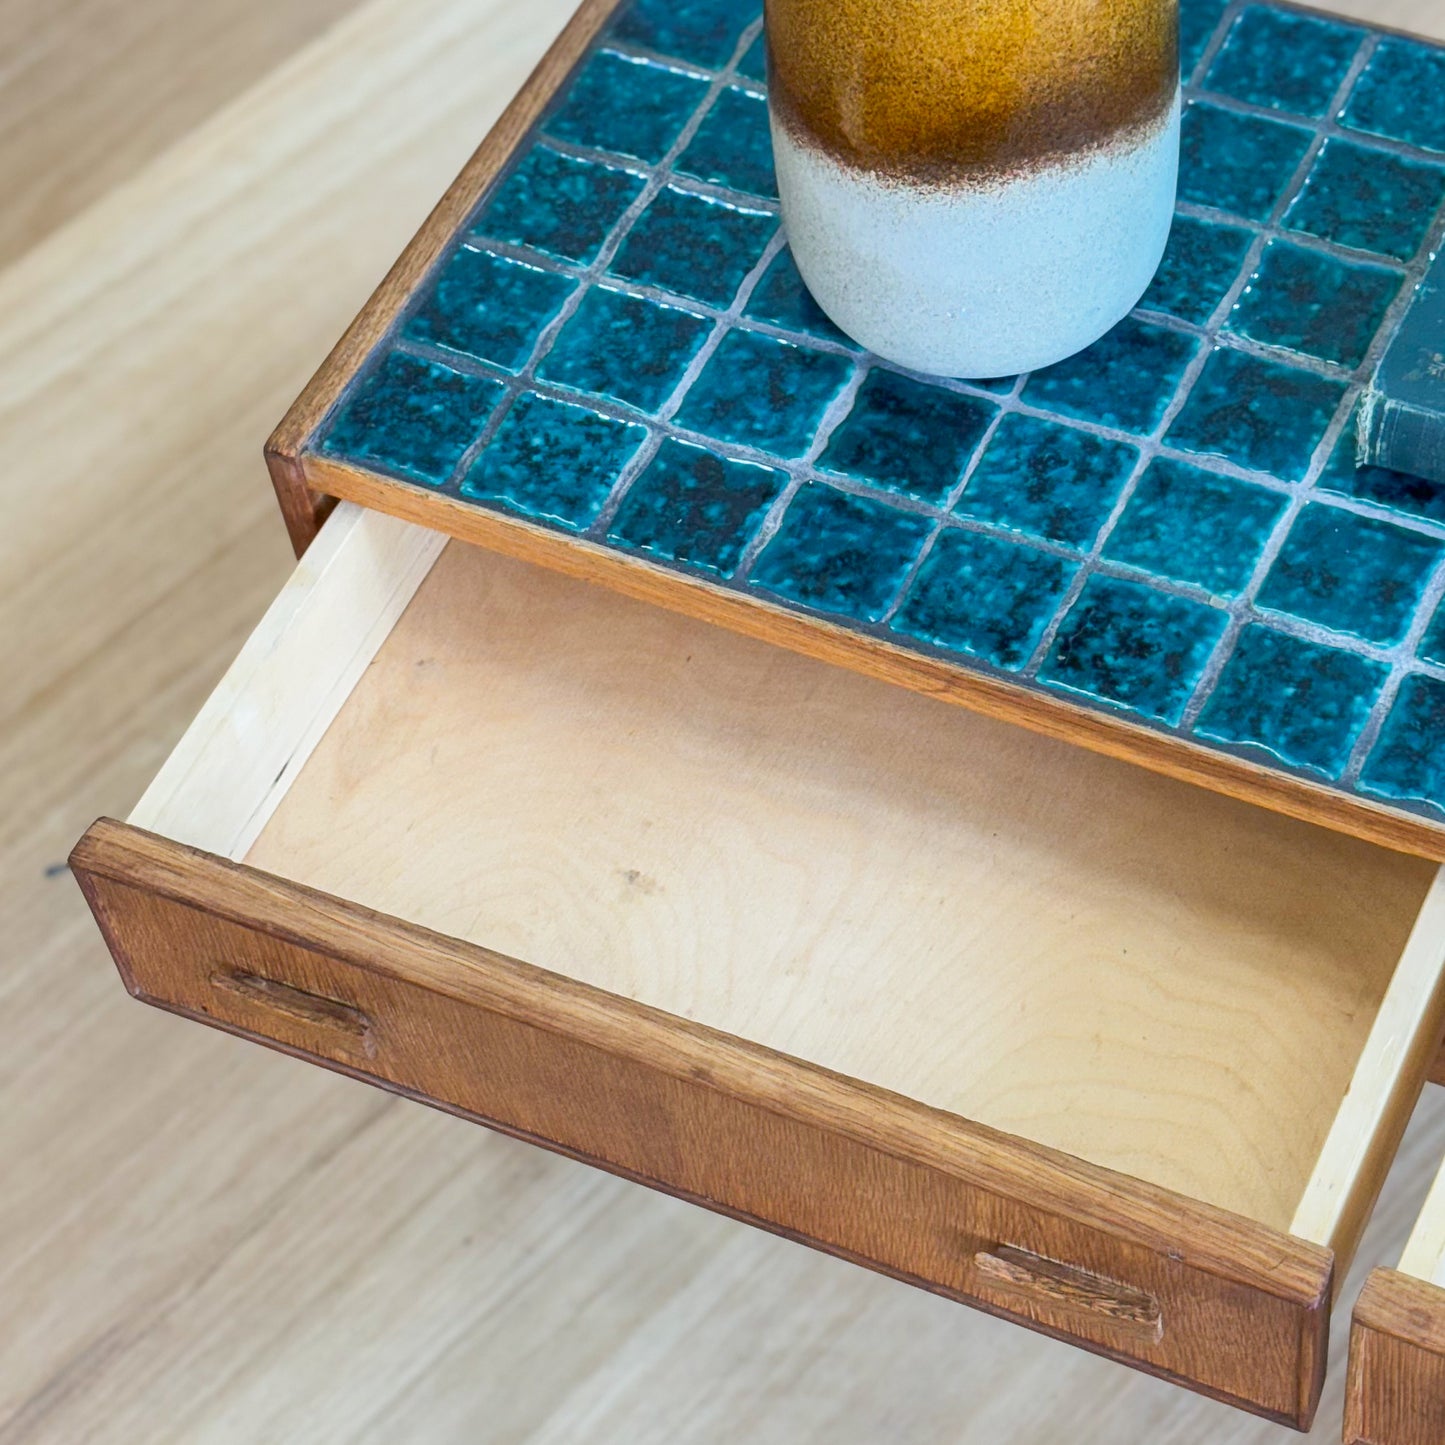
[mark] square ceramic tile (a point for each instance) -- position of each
(693, 246)
(756, 391)
(1203, 261)
(907, 436)
(1285, 61)
(1126, 644)
(782, 299)
(840, 554)
(984, 597)
(1389, 99)
(695, 508)
(1432, 643)
(489, 307)
(1258, 413)
(1308, 302)
(1198, 21)
(413, 417)
(1352, 574)
(704, 32)
(1407, 762)
(1195, 526)
(629, 106)
(1299, 700)
(1369, 200)
(559, 205)
(754, 64)
(1237, 163)
(1127, 380)
(1048, 480)
(616, 345)
(732, 146)
(553, 461)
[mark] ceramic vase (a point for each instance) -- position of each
(975, 188)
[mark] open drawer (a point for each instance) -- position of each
(1085, 1047)
(1396, 1389)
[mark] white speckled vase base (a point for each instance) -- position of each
(981, 279)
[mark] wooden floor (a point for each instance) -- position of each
(204, 1242)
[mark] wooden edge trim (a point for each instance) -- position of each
(302, 504)
(1424, 1253)
(1384, 1089)
(253, 735)
(874, 657)
(1196, 1234)
(1395, 1384)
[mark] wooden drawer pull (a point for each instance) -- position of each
(1017, 1270)
(296, 1003)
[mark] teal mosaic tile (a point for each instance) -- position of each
(628, 106)
(1286, 61)
(559, 205)
(1048, 480)
(618, 344)
(907, 436)
(1301, 701)
(1369, 200)
(1196, 527)
(840, 554)
(615, 345)
(1388, 98)
(553, 461)
(693, 246)
(732, 146)
(1125, 644)
(1201, 265)
(695, 508)
(984, 597)
(1257, 413)
(1352, 574)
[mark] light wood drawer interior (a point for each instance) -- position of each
(1223, 1002)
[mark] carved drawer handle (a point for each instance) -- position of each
(296, 1003)
(1074, 1289)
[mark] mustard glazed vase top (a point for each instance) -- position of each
(975, 188)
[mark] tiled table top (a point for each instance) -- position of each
(1169, 527)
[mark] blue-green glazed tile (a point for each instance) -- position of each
(1203, 261)
(839, 553)
(1237, 163)
(412, 417)
(1300, 701)
(1394, 96)
(1368, 200)
(1407, 763)
(1312, 303)
(1125, 380)
(1128, 645)
(754, 64)
(629, 106)
(908, 436)
(759, 392)
(984, 597)
(1258, 413)
(695, 508)
(1285, 61)
(1411, 496)
(732, 147)
(489, 307)
(619, 346)
(1432, 644)
(694, 247)
(562, 206)
(1198, 20)
(704, 32)
(553, 462)
(781, 299)
(1352, 574)
(1047, 480)
(1195, 526)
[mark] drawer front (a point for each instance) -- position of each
(1395, 1394)
(1109, 1263)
